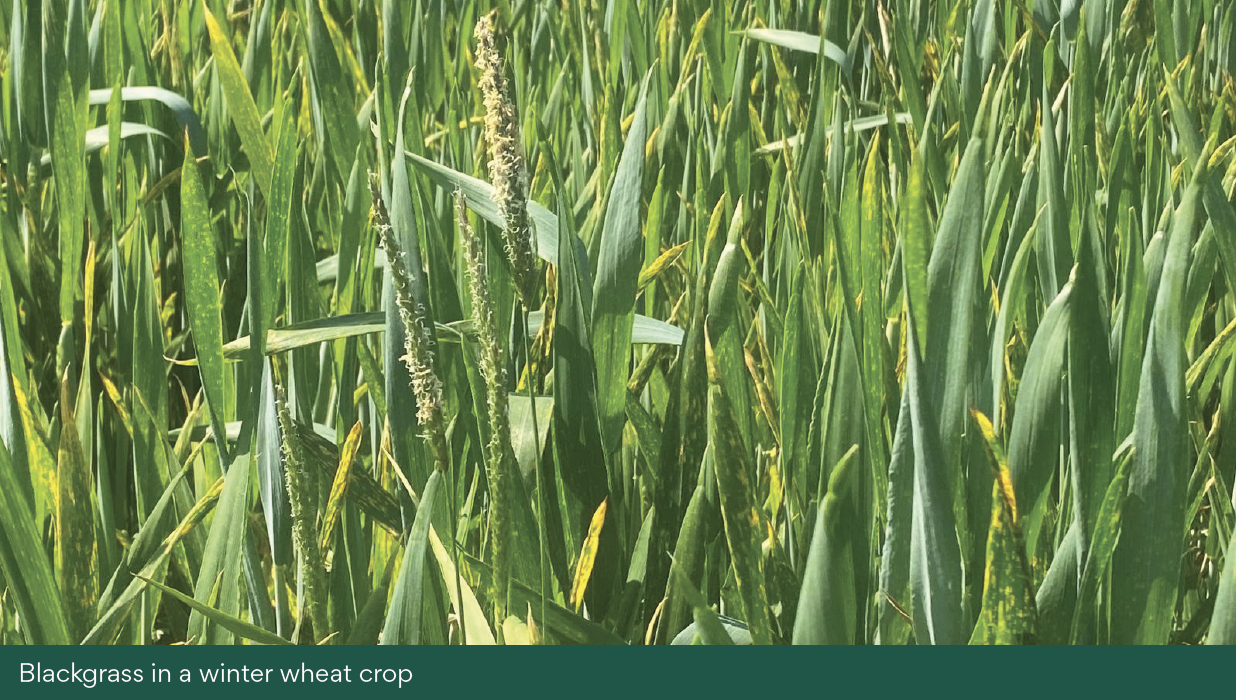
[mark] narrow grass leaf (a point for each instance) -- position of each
(617, 278)
(240, 104)
(403, 619)
(229, 622)
(202, 293)
(68, 163)
(892, 627)
(114, 617)
(272, 487)
(219, 567)
(1102, 543)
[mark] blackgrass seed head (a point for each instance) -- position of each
(507, 169)
(493, 369)
(418, 335)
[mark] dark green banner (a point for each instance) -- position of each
(182, 673)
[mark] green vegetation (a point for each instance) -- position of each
(423, 321)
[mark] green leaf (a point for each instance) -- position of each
(240, 104)
(871, 322)
(180, 107)
(857, 124)
(614, 289)
(707, 622)
(1223, 620)
(953, 291)
(916, 249)
(76, 548)
(1034, 438)
(1146, 564)
(735, 631)
(1102, 543)
(583, 472)
(220, 562)
(329, 98)
(27, 572)
(688, 558)
(1131, 327)
(1204, 372)
(68, 164)
(410, 451)
(12, 368)
(229, 622)
(935, 556)
(100, 136)
(895, 560)
(527, 445)
(1011, 299)
(1052, 244)
(202, 302)
(827, 607)
(1218, 207)
(271, 479)
(403, 619)
(313, 332)
(480, 197)
(1091, 388)
(471, 616)
(800, 41)
(26, 66)
(152, 559)
(644, 330)
(954, 296)
(726, 332)
(795, 413)
(272, 487)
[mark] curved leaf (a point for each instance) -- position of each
(801, 41)
(180, 107)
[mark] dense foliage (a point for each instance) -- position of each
(425, 321)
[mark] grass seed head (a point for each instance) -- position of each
(493, 369)
(418, 336)
(507, 169)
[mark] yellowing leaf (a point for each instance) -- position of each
(588, 555)
(339, 489)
